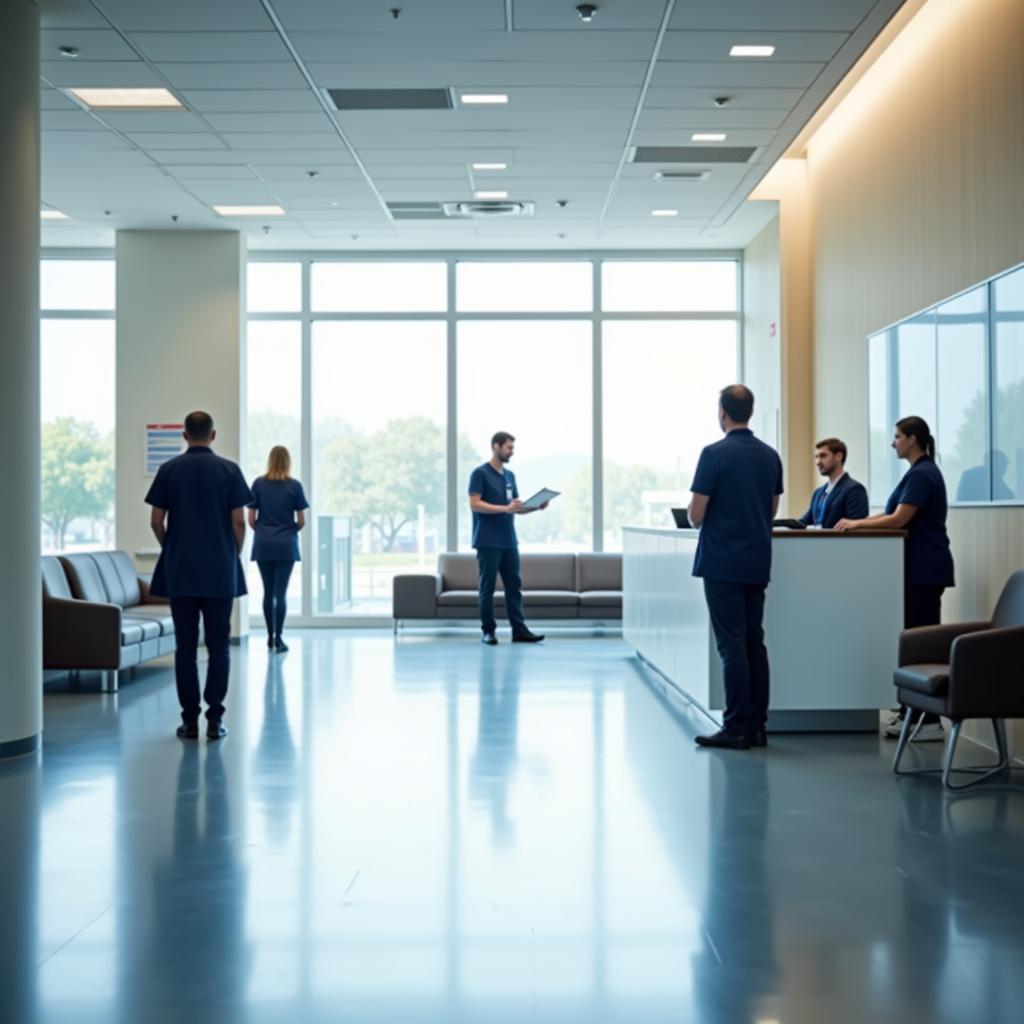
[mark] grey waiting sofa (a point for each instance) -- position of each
(555, 586)
(98, 615)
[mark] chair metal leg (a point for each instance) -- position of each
(981, 772)
(908, 726)
(108, 681)
(394, 627)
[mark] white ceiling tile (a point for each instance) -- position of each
(211, 172)
(471, 75)
(92, 44)
(772, 15)
(69, 120)
(175, 140)
(256, 101)
(152, 120)
(231, 193)
(789, 46)
(553, 116)
(304, 157)
(195, 47)
(187, 15)
(681, 137)
(99, 73)
(739, 98)
(239, 75)
(329, 174)
(69, 14)
(374, 16)
(710, 119)
(611, 16)
(297, 140)
(54, 99)
(276, 123)
(724, 75)
(183, 157)
(590, 136)
(66, 146)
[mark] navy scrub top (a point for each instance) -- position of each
(495, 530)
(741, 476)
(276, 535)
(929, 560)
(199, 490)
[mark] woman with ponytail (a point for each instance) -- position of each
(917, 505)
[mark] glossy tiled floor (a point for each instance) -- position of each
(430, 830)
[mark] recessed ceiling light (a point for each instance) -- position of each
(490, 167)
(127, 99)
(751, 51)
(52, 215)
(483, 97)
(708, 137)
(664, 213)
(250, 211)
(490, 195)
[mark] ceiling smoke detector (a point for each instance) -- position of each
(681, 175)
(488, 209)
(586, 12)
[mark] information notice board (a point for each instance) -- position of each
(163, 442)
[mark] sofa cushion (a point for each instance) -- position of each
(128, 576)
(600, 571)
(150, 629)
(464, 599)
(927, 679)
(458, 571)
(84, 577)
(111, 578)
(601, 599)
(157, 613)
(55, 582)
(131, 633)
(550, 598)
(548, 572)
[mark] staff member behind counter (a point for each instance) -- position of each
(840, 497)
(917, 505)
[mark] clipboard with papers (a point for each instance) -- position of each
(538, 499)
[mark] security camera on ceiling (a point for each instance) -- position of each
(586, 12)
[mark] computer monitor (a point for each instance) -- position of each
(681, 518)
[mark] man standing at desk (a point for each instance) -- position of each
(735, 497)
(840, 497)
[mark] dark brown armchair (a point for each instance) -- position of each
(965, 670)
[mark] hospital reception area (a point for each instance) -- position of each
(514, 511)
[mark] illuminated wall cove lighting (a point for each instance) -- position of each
(752, 51)
(250, 211)
(664, 213)
(708, 137)
(490, 167)
(490, 195)
(121, 99)
(52, 215)
(483, 97)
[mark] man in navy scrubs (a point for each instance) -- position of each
(840, 497)
(198, 516)
(735, 496)
(494, 500)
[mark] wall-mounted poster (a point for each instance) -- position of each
(163, 442)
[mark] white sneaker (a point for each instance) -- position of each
(928, 732)
(893, 728)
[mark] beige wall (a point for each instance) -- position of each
(180, 313)
(915, 191)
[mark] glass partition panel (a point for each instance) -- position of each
(669, 286)
(884, 467)
(533, 379)
(661, 385)
(1008, 399)
(77, 485)
(77, 284)
(274, 287)
(524, 287)
(378, 458)
(915, 368)
(962, 427)
(379, 287)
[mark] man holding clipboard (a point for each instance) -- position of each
(494, 500)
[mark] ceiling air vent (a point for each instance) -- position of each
(391, 99)
(681, 175)
(417, 211)
(489, 209)
(693, 154)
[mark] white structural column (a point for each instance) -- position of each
(21, 699)
(180, 318)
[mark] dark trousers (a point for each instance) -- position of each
(922, 606)
(216, 613)
(490, 562)
(737, 613)
(275, 589)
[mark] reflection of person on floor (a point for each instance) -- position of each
(198, 961)
(973, 485)
(273, 768)
(496, 752)
(737, 966)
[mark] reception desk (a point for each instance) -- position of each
(833, 616)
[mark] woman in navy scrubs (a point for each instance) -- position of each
(917, 505)
(276, 514)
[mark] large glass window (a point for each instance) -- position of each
(378, 458)
(1008, 397)
(668, 286)
(524, 287)
(379, 287)
(661, 384)
(77, 284)
(883, 470)
(533, 379)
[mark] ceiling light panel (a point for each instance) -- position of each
(490, 194)
(751, 50)
(708, 137)
(52, 215)
(467, 99)
(490, 167)
(664, 213)
(126, 99)
(249, 211)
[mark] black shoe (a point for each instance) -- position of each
(280, 647)
(270, 643)
(215, 731)
(759, 738)
(527, 638)
(188, 732)
(490, 639)
(726, 740)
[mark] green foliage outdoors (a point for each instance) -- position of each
(77, 475)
